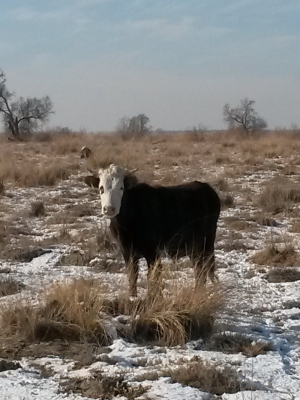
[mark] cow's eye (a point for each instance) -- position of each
(101, 189)
(122, 189)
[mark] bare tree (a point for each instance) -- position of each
(244, 116)
(134, 127)
(23, 115)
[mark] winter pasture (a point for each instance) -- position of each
(68, 328)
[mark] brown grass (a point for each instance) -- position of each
(295, 227)
(285, 274)
(103, 387)
(206, 377)
(230, 344)
(28, 167)
(99, 242)
(30, 174)
(272, 255)
(279, 196)
(68, 311)
(37, 209)
(9, 286)
(181, 315)
(263, 220)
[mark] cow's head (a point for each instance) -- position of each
(85, 152)
(112, 183)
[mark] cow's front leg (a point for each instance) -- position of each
(132, 273)
(154, 277)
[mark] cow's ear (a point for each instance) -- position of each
(130, 181)
(91, 181)
(93, 172)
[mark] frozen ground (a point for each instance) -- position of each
(263, 311)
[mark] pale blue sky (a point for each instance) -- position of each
(177, 61)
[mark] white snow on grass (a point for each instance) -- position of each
(262, 311)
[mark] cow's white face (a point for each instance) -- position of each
(111, 187)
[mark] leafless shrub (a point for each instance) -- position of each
(206, 377)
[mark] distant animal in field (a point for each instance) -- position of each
(148, 221)
(85, 152)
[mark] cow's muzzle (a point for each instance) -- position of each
(109, 211)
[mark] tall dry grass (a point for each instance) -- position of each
(37, 163)
(181, 314)
(79, 310)
(68, 311)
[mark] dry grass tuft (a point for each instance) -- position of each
(231, 344)
(1, 187)
(279, 196)
(9, 286)
(100, 242)
(21, 255)
(9, 365)
(38, 209)
(272, 255)
(206, 377)
(181, 315)
(227, 200)
(33, 175)
(68, 311)
(103, 387)
(277, 275)
(263, 220)
(295, 227)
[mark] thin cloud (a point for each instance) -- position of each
(163, 27)
(59, 15)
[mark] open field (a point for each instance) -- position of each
(68, 326)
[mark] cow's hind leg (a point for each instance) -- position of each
(204, 266)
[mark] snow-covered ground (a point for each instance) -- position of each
(262, 311)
